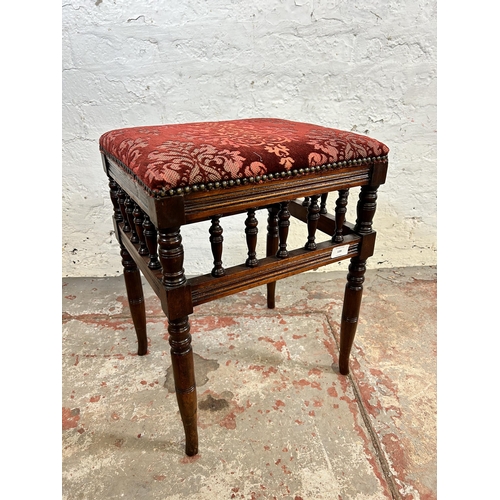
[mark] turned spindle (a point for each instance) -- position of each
(272, 230)
(322, 208)
(151, 237)
(312, 222)
(251, 231)
(306, 202)
(271, 249)
(340, 211)
(283, 225)
(121, 200)
(129, 210)
(113, 193)
(216, 240)
(139, 229)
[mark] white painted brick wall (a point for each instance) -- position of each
(357, 65)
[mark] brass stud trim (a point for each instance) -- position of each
(224, 184)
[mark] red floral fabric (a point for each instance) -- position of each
(167, 157)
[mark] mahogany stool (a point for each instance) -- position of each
(164, 177)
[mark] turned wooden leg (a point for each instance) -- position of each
(271, 249)
(184, 380)
(171, 254)
(350, 311)
(356, 276)
(136, 300)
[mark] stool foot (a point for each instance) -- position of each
(135, 297)
(350, 311)
(187, 402)
(184, 380)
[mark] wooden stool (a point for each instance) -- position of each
(163, 177)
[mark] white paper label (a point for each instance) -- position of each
(340, 251)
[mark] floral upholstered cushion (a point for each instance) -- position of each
(179, 157)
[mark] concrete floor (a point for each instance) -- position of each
(276, 419)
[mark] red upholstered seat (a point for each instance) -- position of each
(169, 159)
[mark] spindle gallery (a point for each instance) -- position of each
(164, 177)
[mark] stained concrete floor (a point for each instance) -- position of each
(276, 419)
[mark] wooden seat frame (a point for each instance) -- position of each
(148, 229)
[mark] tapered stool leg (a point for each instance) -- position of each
(365, 210)
(184, 380)
(350, 311)
(135, 297)
(171, 254)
